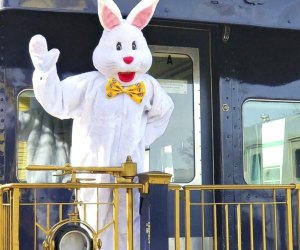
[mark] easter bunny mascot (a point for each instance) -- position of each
(117, 110)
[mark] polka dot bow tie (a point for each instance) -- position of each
(136, 91)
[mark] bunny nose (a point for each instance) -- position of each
(128, 59)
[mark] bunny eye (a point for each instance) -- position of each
(119, 46)
(134, 45)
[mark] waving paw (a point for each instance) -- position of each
(42, 59)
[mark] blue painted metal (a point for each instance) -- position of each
(154, 218)
(255, 62)
(262, 13)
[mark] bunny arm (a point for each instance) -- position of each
(63, 99)
(159, 115)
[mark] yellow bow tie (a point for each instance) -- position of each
(136, 91)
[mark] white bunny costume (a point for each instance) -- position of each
(107, 128)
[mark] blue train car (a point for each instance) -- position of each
(232, 69)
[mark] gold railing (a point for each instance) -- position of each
(276, 202)
(13, 199)
(5, 223)
(231, 212)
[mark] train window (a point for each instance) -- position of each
(271, 138)
(178, 150)
(41, 140)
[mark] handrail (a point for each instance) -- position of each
(242, 209)
(124, 173)
(10, 186)
(240, 187)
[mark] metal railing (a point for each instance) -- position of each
(11, 207)
(14, 199)
(232, 216)
(229, 214)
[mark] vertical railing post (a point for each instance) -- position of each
(3, 224)
(154, 210)
(16, 216)
(289, 219)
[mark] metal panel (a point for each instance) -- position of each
(263, 13)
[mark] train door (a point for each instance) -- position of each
(181, 63)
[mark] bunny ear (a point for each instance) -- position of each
(109, 14)
(142, 13)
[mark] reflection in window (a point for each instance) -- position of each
(271, 134)
(56, 4)
(42, 140)
(297, 163)
(174, 151)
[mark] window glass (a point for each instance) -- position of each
(42, 140)
(174, 151)
(271, 135)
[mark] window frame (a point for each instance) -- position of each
(290, 156)
(192, 53)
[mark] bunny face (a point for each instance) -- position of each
(123, 54)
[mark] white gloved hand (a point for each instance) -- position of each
(42, 59)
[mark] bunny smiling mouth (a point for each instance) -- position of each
(126, 76)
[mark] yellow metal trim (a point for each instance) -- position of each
(45, 231)
(203, 218)
(48, 217)
(263, 221)
(84, 212)
(242, 203)
(2, 221)
(116, 218)
(60, 212)
(227, 226)
(239, 187)
(298, 193)
(177, 219)
(10, 229)
(128, 170)
(12, 186)
(289, 219)
(154, 177)
(187, 221)
(7, 229)
(215, 228)
(129, 206)
(16, 217)
(275, 221)
(239, 227)
(35, 219)
(105, 227)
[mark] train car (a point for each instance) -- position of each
(232, 148)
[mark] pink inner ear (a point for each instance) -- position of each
(109, 19)
(142, 18)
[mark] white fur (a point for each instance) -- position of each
(109, 61)
(105, 130)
